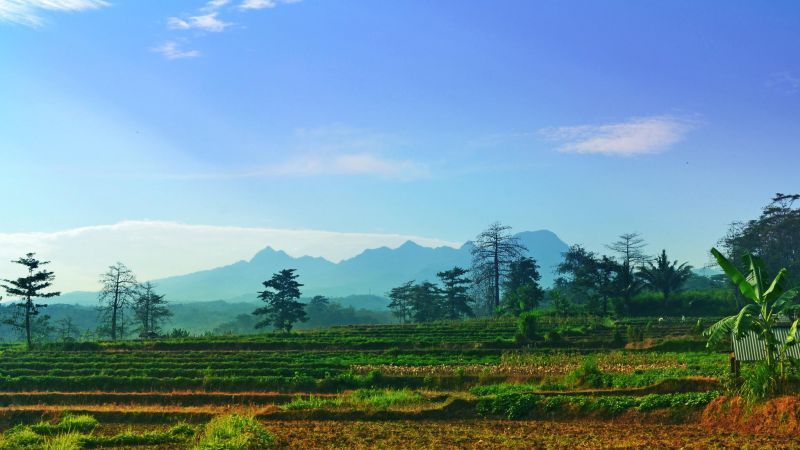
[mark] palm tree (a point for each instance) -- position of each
(664, 276)
(770, 304)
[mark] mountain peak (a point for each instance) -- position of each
(269, 254)
(409, 244)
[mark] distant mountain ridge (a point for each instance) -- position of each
(374, 271)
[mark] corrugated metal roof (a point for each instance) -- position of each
(751, 348)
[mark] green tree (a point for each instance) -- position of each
(588, 279)
(318, 306)
(117, 293)
(665, 276)
(151, 311)
(774, 236)
(426, 302)
(28, 289)
(493, 251)
(769, 303)
(400, 301)
(521, 290)
(282, 296)
(455, 298)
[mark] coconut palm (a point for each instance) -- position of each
(771, 303)
(665, 276)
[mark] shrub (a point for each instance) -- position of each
(588, 375)
(553, 338)
(235, 432)
(527, 325)
(758, 383)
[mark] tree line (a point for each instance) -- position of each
(502, 280)
(120, 293)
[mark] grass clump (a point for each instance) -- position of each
(312, 402)
(70, 423)
(235, 432)
(67, 441)
(384, 398)
(21, 437)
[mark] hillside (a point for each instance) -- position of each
(374, 271)
(371, 273)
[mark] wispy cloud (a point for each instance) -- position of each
(313, 165)
(351, 164)
(172, 50)
(785, 81)
(157, 249)
(29, 12)
(205, 22)
(637, 136)
(262, 4)
(209, 18)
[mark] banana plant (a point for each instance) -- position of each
(771, 303)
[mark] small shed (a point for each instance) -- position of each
(751, 348)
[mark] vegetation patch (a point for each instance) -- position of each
(235, 432)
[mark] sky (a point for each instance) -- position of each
(205, 130)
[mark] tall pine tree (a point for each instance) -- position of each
(28, 289)
(455, 298)
(282, 295)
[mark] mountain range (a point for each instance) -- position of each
(373, 272)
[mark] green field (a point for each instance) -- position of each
(469, 374)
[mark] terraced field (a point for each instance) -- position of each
(469, 374)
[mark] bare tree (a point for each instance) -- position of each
(629, 249)
(150, 310)
(492, 252)
(117, 293)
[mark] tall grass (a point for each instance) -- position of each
(235, 432)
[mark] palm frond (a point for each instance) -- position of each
(733, 273)
(719, 330)
(776, 288)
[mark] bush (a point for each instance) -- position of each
(588, 375)
(758, 383)
(235, 432)
(527, 325)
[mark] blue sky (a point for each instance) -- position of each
(413, 118)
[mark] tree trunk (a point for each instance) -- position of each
(496, 279)
(28, 323)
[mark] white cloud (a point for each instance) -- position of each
(262, 4)
(156, 249)
(258, 4)
(28, 12)
(214, 5)
(178, 24)
(637, 136)
(172, 50)
(205, 22)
